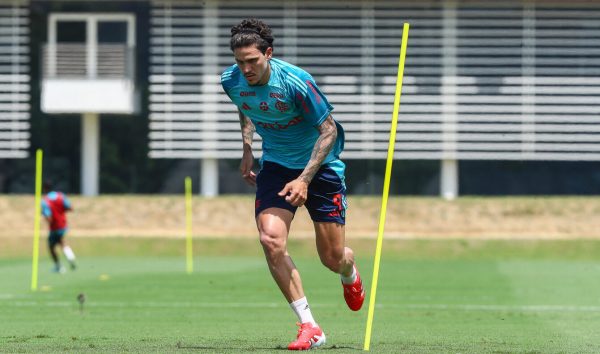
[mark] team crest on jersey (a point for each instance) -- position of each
(264, 106)
(282, 106)
(246, 107)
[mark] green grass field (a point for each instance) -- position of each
(451, 296)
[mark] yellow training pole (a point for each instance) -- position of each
(386, 185)
(36, 219)
(188, 222)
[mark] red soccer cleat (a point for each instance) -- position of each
(309, 336)
(354, 294)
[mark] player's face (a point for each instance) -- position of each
(254, 64)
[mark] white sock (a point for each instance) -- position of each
(69, 254)
(349, 279)
(302, 310)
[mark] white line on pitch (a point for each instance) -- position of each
(521, 308)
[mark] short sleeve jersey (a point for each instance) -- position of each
(286, 112)
(54, 205)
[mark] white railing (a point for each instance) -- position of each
(14, 79)
(69, 60)
(507, 80)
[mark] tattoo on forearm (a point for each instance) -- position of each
(248, 130)
(323, 145)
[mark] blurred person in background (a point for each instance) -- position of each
(55, 206)
(300, 166)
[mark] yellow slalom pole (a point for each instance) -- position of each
(188, 222)
(37, 219)
(386, 185)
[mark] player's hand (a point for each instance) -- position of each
(246, 168)
(295, 192)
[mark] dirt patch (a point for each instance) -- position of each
(233, 216)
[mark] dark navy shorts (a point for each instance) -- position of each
(55, 236)
(326, 201)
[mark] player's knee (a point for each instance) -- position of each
(332, 261)
(272, 244)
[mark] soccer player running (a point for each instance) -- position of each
(54, 208)
(300, 165)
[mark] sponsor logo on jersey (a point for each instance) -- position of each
(247, 93)
(264, 106)
(278, 126)
(275, 95)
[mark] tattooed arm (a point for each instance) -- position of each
(296, 191)
(323, 145)
(247, 162)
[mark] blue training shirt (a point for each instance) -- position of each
(286, 112)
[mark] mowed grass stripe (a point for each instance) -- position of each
(441, 307)
(477, 301)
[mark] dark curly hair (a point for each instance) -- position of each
(47, 186)
(251, 32)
